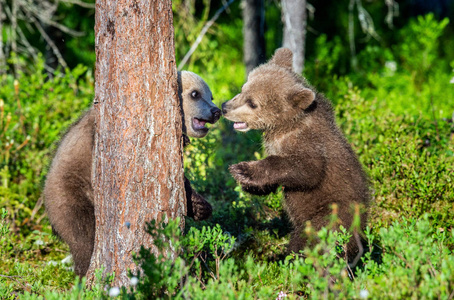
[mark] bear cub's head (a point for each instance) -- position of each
(272, 96)
(197, 103)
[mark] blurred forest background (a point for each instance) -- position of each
(388, 68)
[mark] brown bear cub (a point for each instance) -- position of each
(307, 153)
(68, 193)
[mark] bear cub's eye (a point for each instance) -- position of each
(251, 103)
(195, 94)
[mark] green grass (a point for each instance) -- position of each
(396, 115)
(34, 112)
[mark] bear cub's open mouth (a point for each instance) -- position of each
(199, 124)
(240, 126)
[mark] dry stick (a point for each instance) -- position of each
(28, 47)
(80, 3)
(451, 295)
(30, 12)
(357, 257)
(432, 270)
(433, 115)
(202, 33)
(38, 221)
(61, 27)
(38, 205)
(47, 20)
(50, 42)
(208, 268)
(32, 51)
(226, 6)
(13, 33)
(13, 277)
(393, 11)
(10, 276)
(366, 22)
(360, 248)
(403, 259)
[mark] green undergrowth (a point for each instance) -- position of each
(408, 259)
(396, 110)
(35, 110)
(414, 261)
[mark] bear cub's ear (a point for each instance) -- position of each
(301, 97)
(283, 57)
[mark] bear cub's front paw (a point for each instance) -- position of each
(241, 172)
(245, 176)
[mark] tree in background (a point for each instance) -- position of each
(2, 55)
(68, 29)
(138, 170)
(294, 20)
(253, 33)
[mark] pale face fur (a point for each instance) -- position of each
(271, 97)
(198, 106)
(68, 193)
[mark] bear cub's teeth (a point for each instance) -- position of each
(198, 124)
(240, 125)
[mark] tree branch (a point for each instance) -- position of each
(47, 19)
(50, 42)
(80, 3)
(202, 33)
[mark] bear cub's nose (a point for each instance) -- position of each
(224, 110)
(216, 112)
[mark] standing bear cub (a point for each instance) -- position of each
(307, 154)
(68, 193)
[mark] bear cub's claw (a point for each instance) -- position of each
(241, 172)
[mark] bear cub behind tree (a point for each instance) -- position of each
(307, 153)
(68, 193)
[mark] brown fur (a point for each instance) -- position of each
(307, 153)
(68, 193)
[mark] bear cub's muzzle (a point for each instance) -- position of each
(215, 114)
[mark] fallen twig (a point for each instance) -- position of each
(360, 248)
(13, 277)
(38, 205)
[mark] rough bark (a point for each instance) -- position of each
(294, 19)
(2, 55)
(253, 33)
(137, 165)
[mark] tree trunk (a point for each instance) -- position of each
(137, 165)
(294, 20)
(253, 33)
(2, 55)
